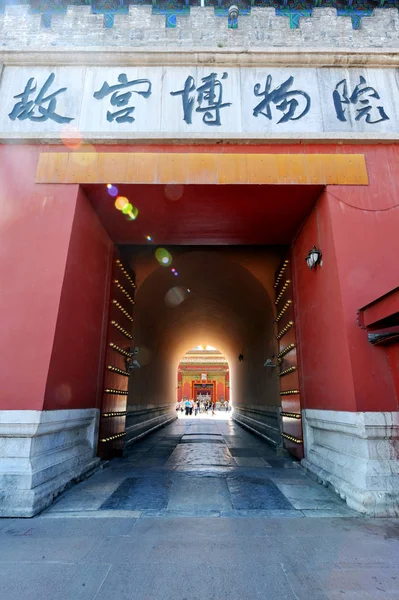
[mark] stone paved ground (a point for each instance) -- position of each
(201, 509)
(203, 466)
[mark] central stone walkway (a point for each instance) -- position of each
(201, 466)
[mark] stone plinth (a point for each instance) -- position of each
(357, 455)
(41, 452)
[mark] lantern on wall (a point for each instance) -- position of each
(313, 258)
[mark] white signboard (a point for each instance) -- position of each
(198, 102)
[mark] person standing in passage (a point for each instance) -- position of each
(191, 406)
(226, 405)
(187, 406)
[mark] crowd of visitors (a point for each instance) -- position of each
(188, 406)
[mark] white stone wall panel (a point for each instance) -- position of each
(161, 115)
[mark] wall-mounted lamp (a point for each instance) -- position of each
(131, 362)
(269, 363)
(313, 258)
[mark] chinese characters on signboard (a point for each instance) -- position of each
(118, 99)
(39, 107)
(266, 99)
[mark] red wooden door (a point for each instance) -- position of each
(291, 417)
(118, 355)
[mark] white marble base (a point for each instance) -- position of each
(357, 454)
(40, 453)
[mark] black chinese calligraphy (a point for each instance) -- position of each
(294, 104)
(362, 96)
(40, 108)
(209, 98)
(120, 99)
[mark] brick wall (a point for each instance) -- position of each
(262, 29)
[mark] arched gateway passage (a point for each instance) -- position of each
(227, 305)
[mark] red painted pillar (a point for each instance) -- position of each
(323, 349)
(340, 369)
(366, 243)
(55, 256)
(187, 389)
(179, 386)
(76, 368)
(36, 226)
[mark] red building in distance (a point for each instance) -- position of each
(204, 371)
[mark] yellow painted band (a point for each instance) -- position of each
(201, 168)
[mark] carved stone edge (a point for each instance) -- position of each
(244, 138)
(288, 57)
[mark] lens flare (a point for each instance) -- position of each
(132, 215)
(175, 296)
(173, 192)
(149, 238)
(63, 394)
(127, 208)
(71, 137)
(163, 257)
(109, 185)
(121, 202)
(113, 191)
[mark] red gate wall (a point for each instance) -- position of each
(42, 229)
